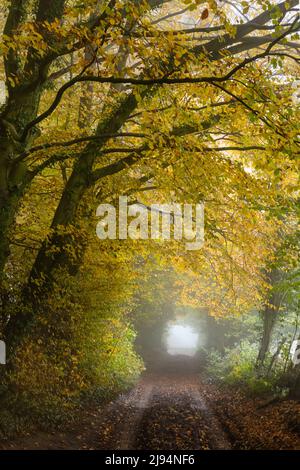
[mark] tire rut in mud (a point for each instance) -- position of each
(173, 421)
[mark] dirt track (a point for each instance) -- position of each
(165, 410)
(175, 408)
(174, 415)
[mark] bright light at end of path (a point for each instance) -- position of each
(181, 340)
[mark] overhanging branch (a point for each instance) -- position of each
(152, 81)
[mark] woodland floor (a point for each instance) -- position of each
(176, 408)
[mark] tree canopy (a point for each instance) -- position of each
(184, 101)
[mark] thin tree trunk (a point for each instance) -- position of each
(269, 315)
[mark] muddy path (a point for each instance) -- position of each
(164, 411)
(177, 416)
(172, 408)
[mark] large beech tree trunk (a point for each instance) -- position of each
(53, 253)
(21, 108)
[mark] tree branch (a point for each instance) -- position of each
(80, 140)
(215, 46)
(149, 81)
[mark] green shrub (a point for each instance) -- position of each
(237, 366)
(77, 348)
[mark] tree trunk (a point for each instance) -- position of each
(20, 108)
(65, 228)
(295, 392)
(269, 316)
(13, 180)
